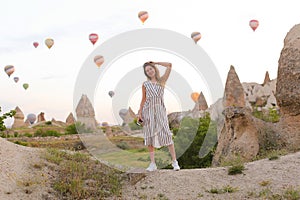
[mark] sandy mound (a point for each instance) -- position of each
(21, 176)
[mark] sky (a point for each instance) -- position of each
(51, 73)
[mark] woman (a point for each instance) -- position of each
(153, 113)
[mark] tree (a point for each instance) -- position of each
(5, 116)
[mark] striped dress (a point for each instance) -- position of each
(155, 126)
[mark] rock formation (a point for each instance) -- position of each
(234, 92)
(85, 113)
(288, 78)
(260, 96)
(267, 79)
(41, 117)
(127, 115)
(70, 119)
(288, 87)
(27, 123)
(19, 119)
(201, 103)
(175, 118)
(239, 134)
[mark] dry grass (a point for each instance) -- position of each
(80, 177)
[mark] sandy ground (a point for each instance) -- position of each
(21, 176)
(194, 184)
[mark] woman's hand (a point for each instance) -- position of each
(140, 117)
(151, 62)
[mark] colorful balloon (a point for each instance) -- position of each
(35, 44)
(49, 42)
(16, 79)
(93, 38)
(9, 69)
(143, 15)
(195, 96)
(31, 118)
(123, 112)
(196, 36)
(111, 93)
(25, 86)
(104, 124)
(253, 24)
(98, 60)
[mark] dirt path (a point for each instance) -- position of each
(278, 175)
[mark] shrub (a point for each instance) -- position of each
(271, 116)
(236, 169)
(42, 133)
(175, 130)
(71, 129)
(189, 142)
(52, 133)
(27, 134)
(133, 126)
(16, 134)
(123, 145)
(77, 128)
(38, 133)
(48, 122)
(21, 143)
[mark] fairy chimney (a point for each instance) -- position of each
(267, 79)
(41, 117)
(70, 119)
(201, 103)
(85, 113)
(234, 91)
(239, 134)
(127, 115)
(18, 119)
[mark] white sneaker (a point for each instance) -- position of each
(152, 167)
(175, 165)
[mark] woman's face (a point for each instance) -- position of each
(150, 71)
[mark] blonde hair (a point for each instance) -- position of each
(157, 75)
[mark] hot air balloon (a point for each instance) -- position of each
(9, 69)
(31, 118)
(196, 36)
(253, 24)
(49, 42)
(111, 93)
(98, 60)
(123, 112)
(93, 38)
(35, 44)
(16, 79)
(104, 124)
(25, 86)
(195, 96)
(143, 15)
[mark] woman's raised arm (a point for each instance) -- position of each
(165, 77)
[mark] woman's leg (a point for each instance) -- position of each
(151, 152)
(172, 151)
